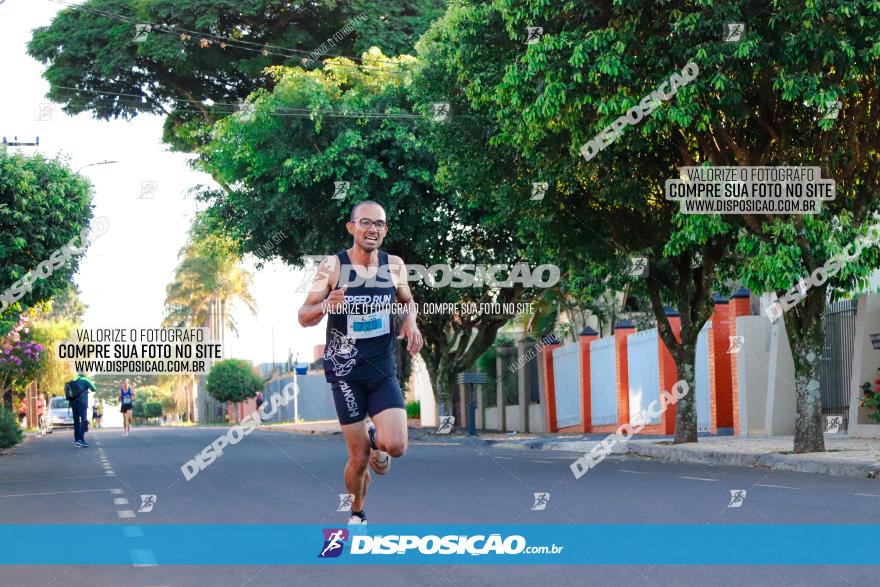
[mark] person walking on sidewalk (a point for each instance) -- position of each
(126, 402)
(356, 288)
(98, 413)
(42, 419)
(77, 394)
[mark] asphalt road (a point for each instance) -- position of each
(279, 478)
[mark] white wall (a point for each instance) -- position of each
(781, 398)
(424, 393)
(512, 415)
(537, 418)
(753, 368)
(866, 360)
(492, 418)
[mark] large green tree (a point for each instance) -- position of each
(514, 125)
(758, 102)
(201, 57)
(44, 206)
(358, 125)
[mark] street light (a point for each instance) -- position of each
(98, 163)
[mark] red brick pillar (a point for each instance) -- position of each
(721, 389)
(668, 370)
(552, 342)
(587, 336)
(623, 329)
(740, 305)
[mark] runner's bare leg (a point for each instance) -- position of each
(357, 475)
(391, 434)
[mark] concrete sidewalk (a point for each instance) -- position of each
(318, 428)
(844, 457)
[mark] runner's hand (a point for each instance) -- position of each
(336, 299)
(410, 331)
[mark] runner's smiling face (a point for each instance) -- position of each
(363, 227)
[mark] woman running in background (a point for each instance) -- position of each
(126, 403)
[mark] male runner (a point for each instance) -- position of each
(355, 289)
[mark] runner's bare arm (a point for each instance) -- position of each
(317, 303)
(410, 329)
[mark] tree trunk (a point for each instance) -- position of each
(443, 380)
(806, 348)
(684, 352)
(686, 408)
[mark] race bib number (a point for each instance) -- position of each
(369, 325)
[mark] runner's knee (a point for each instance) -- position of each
(358, 462)
(396, 448)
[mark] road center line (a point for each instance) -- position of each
(636, 472)
(697, 478)
(548, 462)
(776, 486)
(866, 494)
(52, 478)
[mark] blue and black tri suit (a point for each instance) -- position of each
(359, 354)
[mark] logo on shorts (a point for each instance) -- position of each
(334, 541)
(350, 402)
(341, 353)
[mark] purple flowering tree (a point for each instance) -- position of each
(19, 360)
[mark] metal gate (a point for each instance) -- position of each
(567, 376)
(643, 368)
(603, 382)
(837, 357)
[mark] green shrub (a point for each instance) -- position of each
(233, 380)
(413, 410)
(152, 409)
(10, 433)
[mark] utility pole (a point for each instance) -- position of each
(16, 143)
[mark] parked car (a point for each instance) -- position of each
(60, 413)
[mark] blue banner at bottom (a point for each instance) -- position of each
(192, 544)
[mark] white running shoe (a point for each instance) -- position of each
(357, 521)
(380, 461)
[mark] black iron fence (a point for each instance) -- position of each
(835, 376)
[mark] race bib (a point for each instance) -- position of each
(369, 325)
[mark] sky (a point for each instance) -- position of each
(123, 276)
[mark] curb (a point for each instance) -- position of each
(580, 446)
(25, 437)
(781, 462)
(303, 432)
(855, 469)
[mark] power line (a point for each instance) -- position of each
(234, 107)
(224, 42)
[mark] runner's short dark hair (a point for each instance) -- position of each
(359, 204)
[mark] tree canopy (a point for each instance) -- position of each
(233, 380)
(43, 207)
(199, 58)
